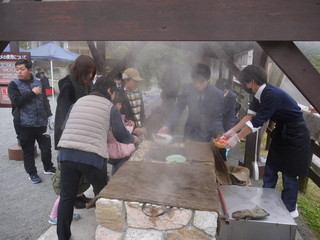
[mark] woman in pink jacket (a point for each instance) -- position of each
(119, 153)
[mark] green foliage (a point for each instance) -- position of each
(312, 51)
(309, 206)
(315, 60)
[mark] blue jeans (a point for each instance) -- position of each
(289, 194)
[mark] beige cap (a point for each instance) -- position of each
(131, 73)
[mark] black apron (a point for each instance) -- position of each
(290, 148)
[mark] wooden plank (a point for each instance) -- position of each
(296, 67)
(314, 177)
(315, 148)
(279, 20)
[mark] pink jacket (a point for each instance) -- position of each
(119, 150)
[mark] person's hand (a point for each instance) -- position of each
(229, 133)
(37, 90)
(137, 131)
(163, 130)
(232, 141)
(130, 123)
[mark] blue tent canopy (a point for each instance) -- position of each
(51, 51)
(48, 51)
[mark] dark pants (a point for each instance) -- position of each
(70, 176)
(289, 194)
(27, 137)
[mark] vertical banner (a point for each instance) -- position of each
(8, 72)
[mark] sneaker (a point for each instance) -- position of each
(295, 213)
(35, 178)
(51, 171)
(54, 221)
(79, 204)
(81, 201)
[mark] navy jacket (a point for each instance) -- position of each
(205, 120)
(28, 109)
(290, 145)
(276, 105)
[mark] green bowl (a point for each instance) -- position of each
(176, 158)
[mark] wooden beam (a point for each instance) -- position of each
(101, 47)
(3, 45)
(259, 56)
(14, 46)
(205, 20)
(98, 57)
(297, 68)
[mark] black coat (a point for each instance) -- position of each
(45, 82)
(229, 111)
(70, 92)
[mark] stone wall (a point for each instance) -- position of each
(122, 220)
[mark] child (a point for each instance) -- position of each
(119, 153)
(83, 186)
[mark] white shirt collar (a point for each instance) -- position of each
(257, 95)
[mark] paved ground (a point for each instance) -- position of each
(25, 207)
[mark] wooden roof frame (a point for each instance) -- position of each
(166, 20)
(274, 24)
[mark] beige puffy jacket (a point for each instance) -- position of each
(87, 126)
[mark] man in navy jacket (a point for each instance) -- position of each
(290, 146)
(205, 105)
(31, 109)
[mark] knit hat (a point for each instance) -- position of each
(131, 73)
